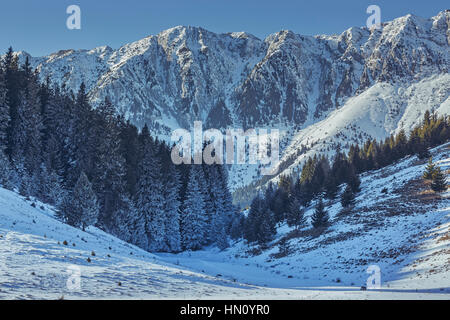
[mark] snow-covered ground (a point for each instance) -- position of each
(406, 233)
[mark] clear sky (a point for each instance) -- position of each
(39, 26)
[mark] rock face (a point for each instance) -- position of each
(185, 73)
(237, 80)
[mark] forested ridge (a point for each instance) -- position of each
(320, 179)
(98, 169)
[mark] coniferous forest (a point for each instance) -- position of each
(99, 170)
(320, 179)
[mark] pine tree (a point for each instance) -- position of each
(150, 199)
(126, 226)
(172, 209)
(267, 229)
(4, 113)
(192, 218)
(49, 188)
(129, 149)
(229, 210)
(296, 215)
(12, 81)
(134, 223)
(348, 197)
(429, 170)
(252, 221)
(331, 187)
(223, 213)
(213, 202)
(30, 111)
(354, 182)
(320, 216)
(439, 181)
(83, 152)
(84, 207)
(6, 172)
(109, 167)
(237, 227)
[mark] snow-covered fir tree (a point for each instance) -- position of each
(109, 165)
(172, 209)
(320, 217)
(84, 209)
(193, 221)
(150, 198)
(4, 114)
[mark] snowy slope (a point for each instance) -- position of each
(406, 233)
(380, 111)
(34, 263)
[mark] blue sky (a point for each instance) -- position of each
(39, 27)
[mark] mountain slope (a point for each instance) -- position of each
(286, 81)
(35, 263)
(404, 230)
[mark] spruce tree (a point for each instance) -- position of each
(193, 214)
(84, 207)
(295, 215)
(253, 219)
(150, 199)
(6, 172)
(49, 188)
(30, 114)
(439, 181)
(13, 82)
(229, 210)
(237, 227)
(109, 166)
(126, 226)
(135, 221)
(129, 149)
(267, 229)
(172, 209)
(4, 114)
(429, 170)
(320, 217)
(331, 187)
(354, 182)
(348, 197)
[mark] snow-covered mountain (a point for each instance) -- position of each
(404, 232)
(319, 90)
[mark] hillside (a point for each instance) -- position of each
(404, 231)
